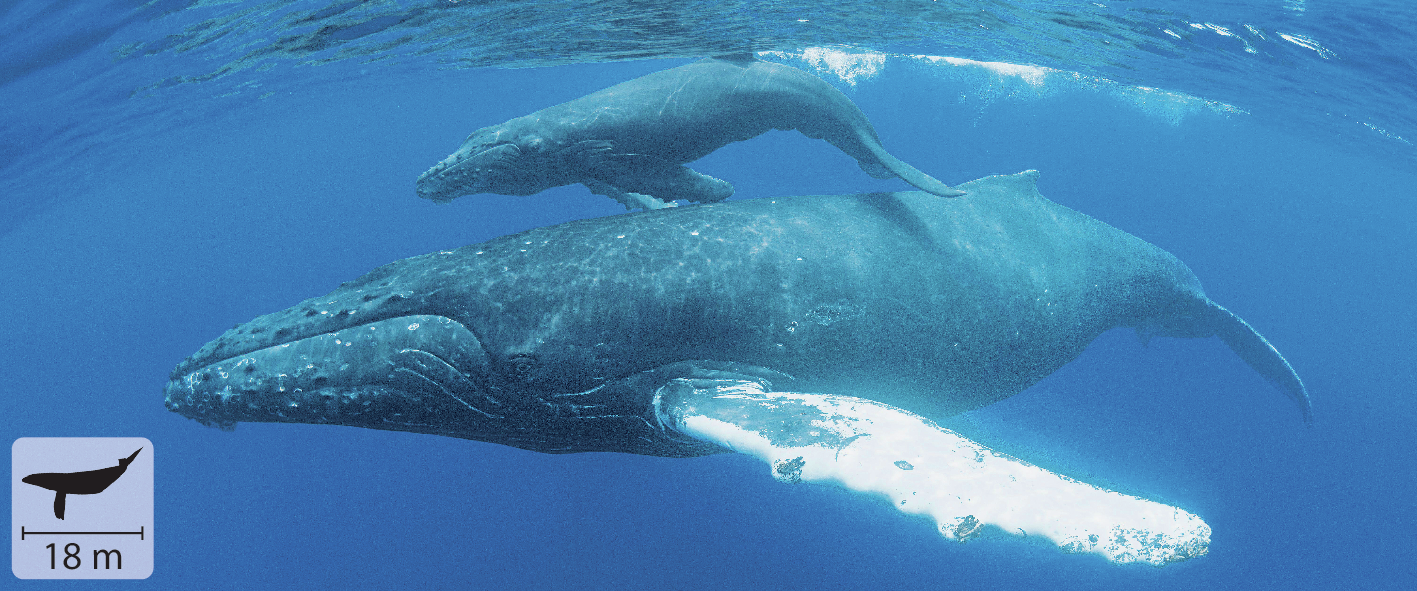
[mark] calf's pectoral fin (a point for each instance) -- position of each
(664, 180)
(646, 175)
(631, 201)
(871, 447)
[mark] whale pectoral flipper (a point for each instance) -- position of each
(59, 505)
(1257, 352)
(646, 174)
(871, 447)
(631, 201)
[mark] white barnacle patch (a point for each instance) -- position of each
(413, 326)
(866, 446)
(788, 470)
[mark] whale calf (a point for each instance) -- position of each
(817, 333)
(630, 141)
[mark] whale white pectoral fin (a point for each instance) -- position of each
(1259, 354)
(870, 447)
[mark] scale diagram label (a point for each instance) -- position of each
(81, 508)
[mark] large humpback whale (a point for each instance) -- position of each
(675, 333)
(630, 141)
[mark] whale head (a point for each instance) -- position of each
(492, 160)
(407, 348)
(373, 353)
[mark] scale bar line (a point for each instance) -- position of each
(138, 533)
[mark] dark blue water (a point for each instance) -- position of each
(136, 226)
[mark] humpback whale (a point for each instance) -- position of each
(630, 142)
(90, 482)
(816, 333)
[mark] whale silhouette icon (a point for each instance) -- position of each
(90, 482)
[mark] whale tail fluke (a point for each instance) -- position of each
(1260, 355)
(910, 174)
(866, 446)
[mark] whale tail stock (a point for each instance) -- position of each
(870, 447)
(909, 173)
(1259, 354)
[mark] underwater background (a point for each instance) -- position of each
(171, 168)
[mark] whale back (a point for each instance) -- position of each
(683, 114)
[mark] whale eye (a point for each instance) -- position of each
(522, 364)
(498, 154)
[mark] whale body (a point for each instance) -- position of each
(673, 332)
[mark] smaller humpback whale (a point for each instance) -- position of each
(630, 142)
(820, 334)
(89, 482)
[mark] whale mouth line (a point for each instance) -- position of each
(405, 368)
(409, 321)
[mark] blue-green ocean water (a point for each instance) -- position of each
(171, 168)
